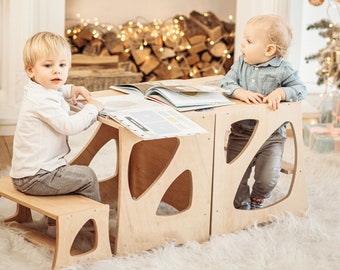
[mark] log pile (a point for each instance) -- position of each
(182, 47)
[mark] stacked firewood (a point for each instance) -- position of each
(182, 47)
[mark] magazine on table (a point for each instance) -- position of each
(181, 94)
(147, 119)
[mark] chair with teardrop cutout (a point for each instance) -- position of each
(227, 176)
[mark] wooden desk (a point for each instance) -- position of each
(191, 174)
(177, 171)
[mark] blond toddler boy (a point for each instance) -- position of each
(44, 123)
(261, 75)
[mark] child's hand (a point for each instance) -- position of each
(248, 96)
(274, 98)
(79, 90)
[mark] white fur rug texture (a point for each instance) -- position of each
(289, 242)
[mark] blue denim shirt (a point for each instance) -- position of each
(264, 78)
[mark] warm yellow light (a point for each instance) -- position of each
(135, 35)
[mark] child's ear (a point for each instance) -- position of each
(270, 50)
(29, 71)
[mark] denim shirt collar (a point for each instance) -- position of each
(275, 62)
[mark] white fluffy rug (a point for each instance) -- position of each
(308, 242)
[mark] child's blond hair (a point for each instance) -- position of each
(44, 44)
(277, 29)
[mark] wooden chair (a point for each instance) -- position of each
(225, 217)
(71, 212)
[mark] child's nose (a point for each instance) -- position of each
(56, 70)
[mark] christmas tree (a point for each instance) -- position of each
(328, 57)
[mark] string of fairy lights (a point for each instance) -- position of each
(140, 34)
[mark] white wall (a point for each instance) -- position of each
(19, 20)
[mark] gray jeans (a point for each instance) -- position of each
(77, 179)
(267, 163)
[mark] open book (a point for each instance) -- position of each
(147, 119)
(183, 95)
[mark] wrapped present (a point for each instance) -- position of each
(329, 108)
(313, 128)
(322, 138)
(324, 143)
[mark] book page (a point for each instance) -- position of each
(208, 80)
(204, 84)
(161, 99)
(148, 119)
(184, 99)
(136, 88)
(183, 95)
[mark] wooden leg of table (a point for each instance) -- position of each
(100, 137)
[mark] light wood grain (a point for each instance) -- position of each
(71, 212)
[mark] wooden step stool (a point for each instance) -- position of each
(71, 212)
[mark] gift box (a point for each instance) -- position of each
(322, 138)
(329, 108)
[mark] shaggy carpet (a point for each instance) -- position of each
(289, 242)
